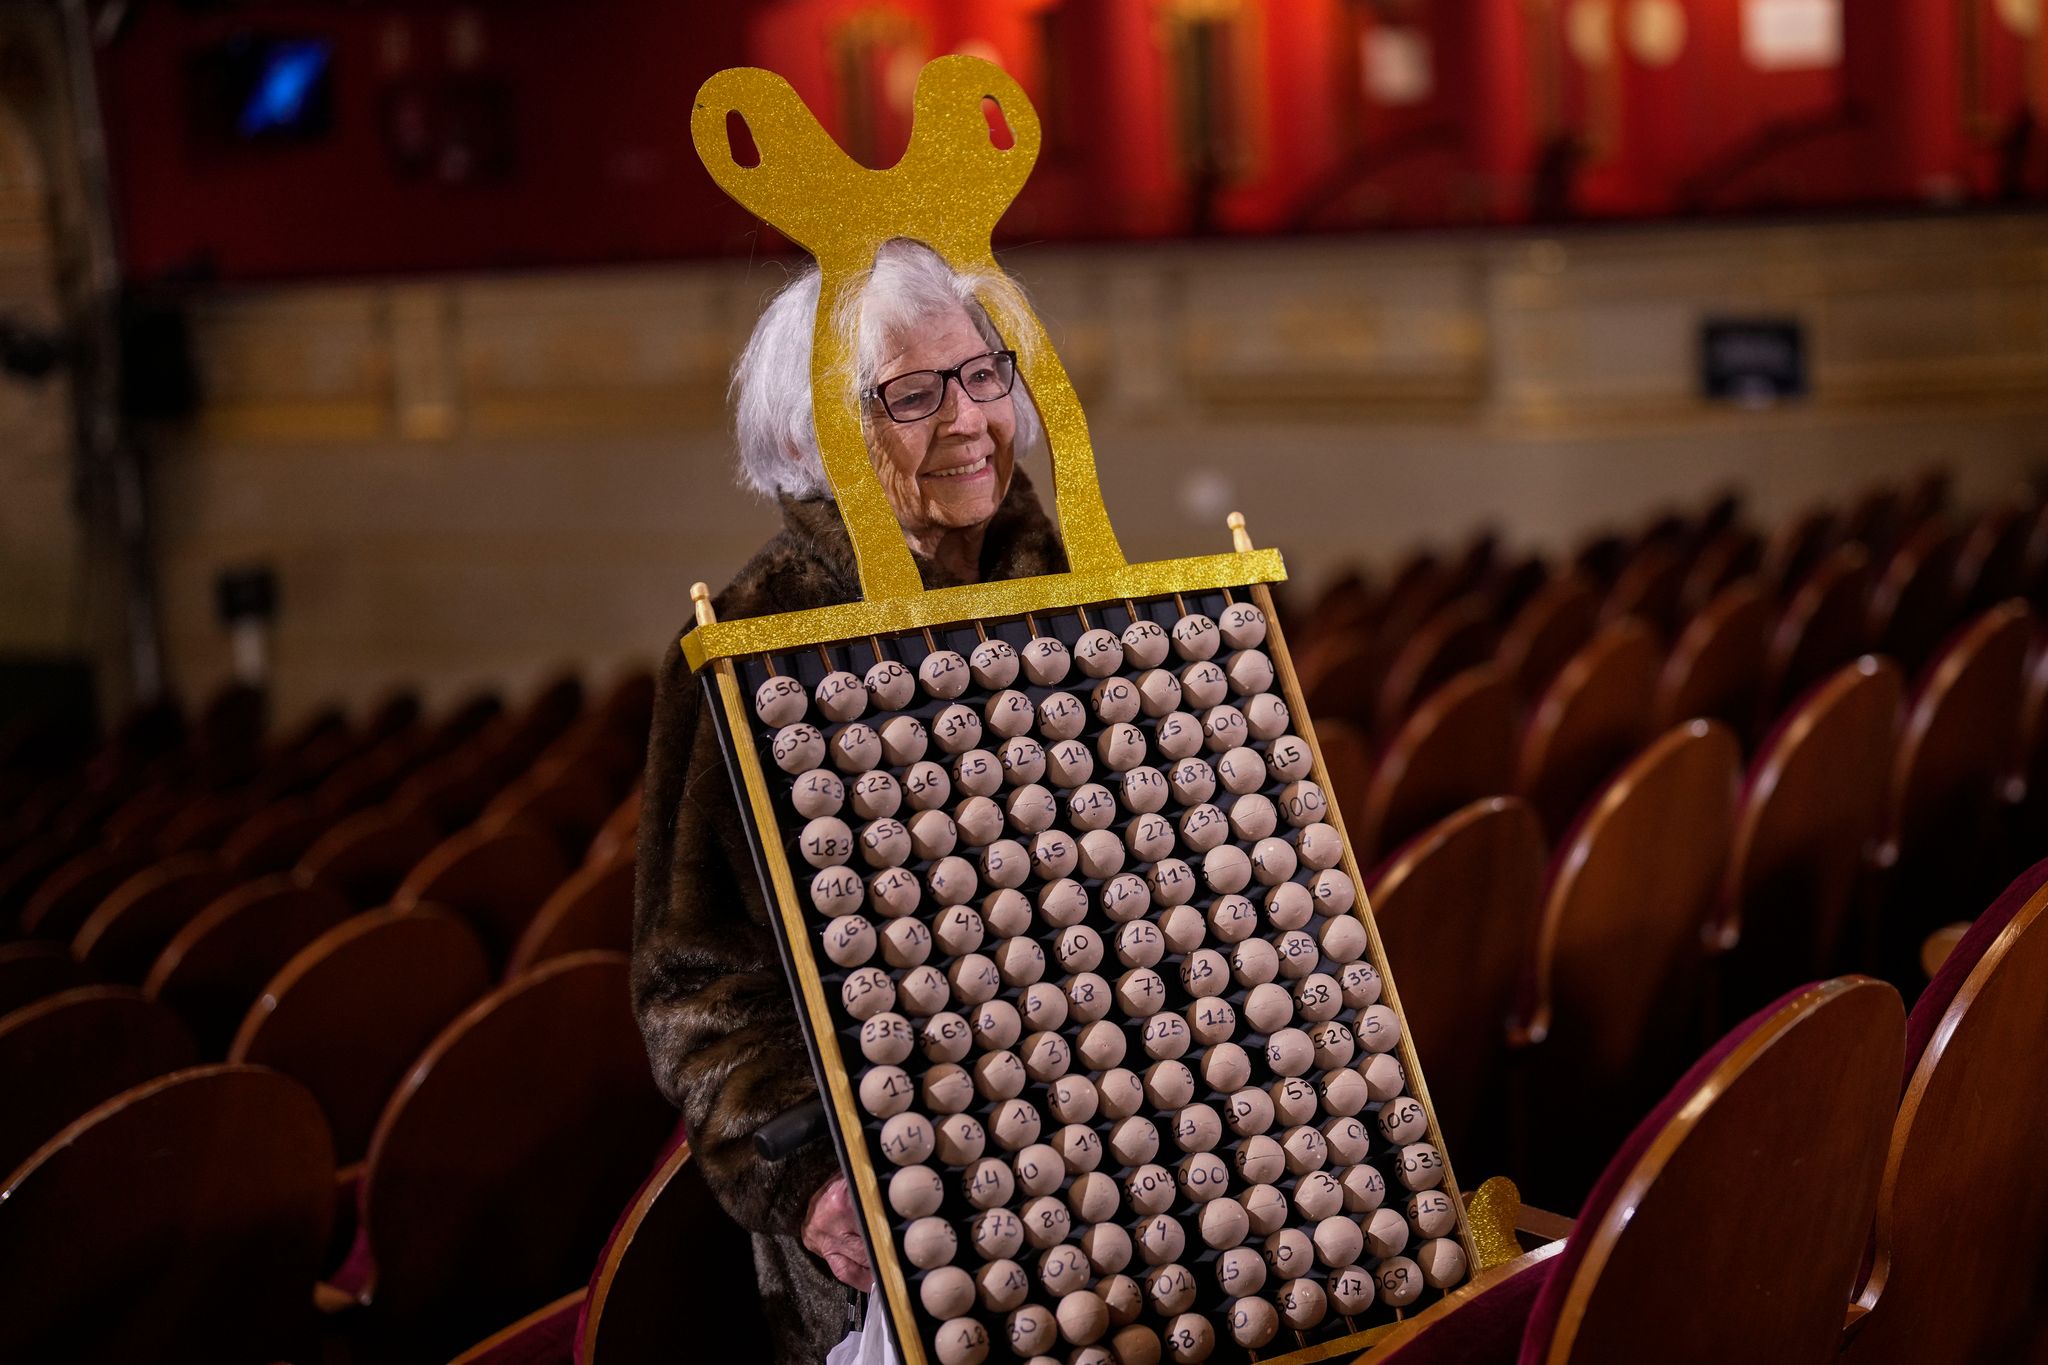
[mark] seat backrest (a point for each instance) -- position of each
(1914, 602)
(123, 936)
(1458, 746)
(620, 835)
(275, 837)
(206, 821)
(1457, 913)
(1549, 629)
(1341, 680)
(479, 1203)
(1729, 1225)
(1962, 730)
(1716, 668)
(65, 1054)
(1731, 555)
(593, 909)
(349, 1013)
(1459, 635)
(1797, 547)
(570, 803)
(73, 890)
(1812, 812)
(1823, 625)
(182, 1220)
(213, 969)
(1649, 589)
(1594, 714)
(1992, 561)
(367, 855)
(33, 968)
(1962, 1216)
(496, 881)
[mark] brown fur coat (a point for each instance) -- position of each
(708, 987)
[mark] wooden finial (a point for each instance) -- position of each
(1239, 538)
(700, 598)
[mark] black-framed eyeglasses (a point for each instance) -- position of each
(917, 394)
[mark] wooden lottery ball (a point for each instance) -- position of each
(1142, 790)
(1078, 948)
(1101, 854)
(1232, 918)
(1079, 1146)
(1189, 1339)
(1289, 758)
(992, 664)
(1091, 807)
(1202, 827)
(1343, 1093)
(946, 1088)
(1202, 1176)
(780, 701)
(1242, 625)
(1005, 913)
(1192, 781)
(884, 843)
(1361, 984)
(933, 835)
(1240, 1269)
(1364, 1188)
(1213, 1023)
(1288, 1252)
(1045, 1222)
(1100, 1045)
(886, 1038)
(1169, 1084)
(1088, 997)
(1302, 803)
(959, 1139)
(1069, 764)
(930, 1242)
(1378, 1028)
(1031, 1329)
(905, 942)
(946, 1292)
(1302, 1304)
(866, 992)
(999, 1075)
(1226, 1067)
(996, 1025)
(1015, 1124)
(1404, 1120)
(1226, 869)
(1432, 1215)
(945, 1037)
(840, 696)
(1001, 1284)
(1061, 716)
(978, 773)
(1253, 1322)
(1266, 716)
(1317, 1196)
(1108, 1249)
(1250, 672)
(1119, 1293)
(1386, 1233)
(1400, 1281)
(885, 1091)
(1334, 893)
(1223, 1223)
(1255, 962)
(890, 685)
(1161, 1239)
(915, 1191)
(1063, 1269)
(1149, 1189)
(1241, 771)
(1099, 653)
(1253, 817)
(1046, 1056)
(1259, 1159)
(1145, 643)
(1005, 862)
(907, 1139)
(855, 748)
(1442, 1261)
(1149, 838)
(1339, 1242)
(1125, 896)
(826, 842)
(1023, 760)
(953, 883)
(1318, 997)
(1203, 685)
(1134, 1345)
(1195, 636)
(849, 940)
(1350, 1290)
(1319, 846)
(1171, 1288)
(1265, 1208)
(962, 1341)
(1139, 943)
(1134, 1140)
(1183, 928)
(1299, 954)
(1020, 961)
(1289, 1052)
(1333, 1044)
(958, 731)
(1046, 660)
(1420, 1166)
(1092, 1197)
(818, 792)
(1342, 939)
(1122, 746)
(1294, 1101)
(1306, 1150)
(1054, 854)
(1196, 1128)
(1249, 1112)
(996, 1234)
(1223, 729)
(978, 820)
(1140, 992)
(1166, 1036)
(1273, 862)
(875, 795)
(1121, 1092)
(943, 674)
(1031, 809)
(1288, 905)
(1347, 1140)
(973, 978)
(1178, 735)
(1083, 1317)
(1158, 692)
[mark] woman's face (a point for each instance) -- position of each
(948, 471)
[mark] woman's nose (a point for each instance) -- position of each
(960, 412)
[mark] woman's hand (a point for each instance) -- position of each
(832, 1231)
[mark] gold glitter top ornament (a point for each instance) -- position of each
(949, 190)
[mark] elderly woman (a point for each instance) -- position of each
(945, 425)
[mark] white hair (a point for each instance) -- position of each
(908, 285)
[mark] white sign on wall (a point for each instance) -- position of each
(1792, 35)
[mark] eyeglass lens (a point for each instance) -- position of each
(985, 378)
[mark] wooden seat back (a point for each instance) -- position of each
(123, 936)
(1823, 625)
(33, 968)
(1457, 913)
(1457, 747)
(1650, 589)
(1991, 565)
(367, 855)
(571, 804)
(620, 834)
(677, 1267)
(1341, 680)
(1550, 628)
(1728, 1224)
(1796, 549)
(353, 1009)
(1730, 556)
(1962, 1216)
(182, 1220)
(1914, 602)
(64, 1054)
(70, 892)
(274, 837)
(1458, 636)
(1716, 669)
(1591, 718)
(495, 880)
(591, 909)
(479, 1203)
(213, 969)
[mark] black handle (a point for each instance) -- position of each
(791, 1129)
